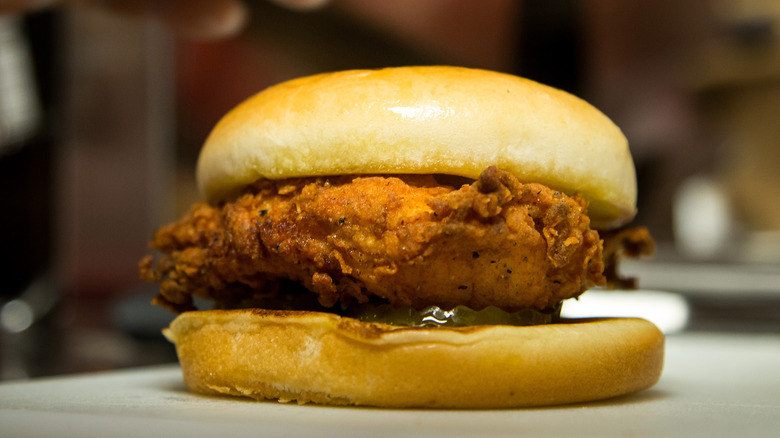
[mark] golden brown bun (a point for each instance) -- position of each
(324, 358)
(445, 120)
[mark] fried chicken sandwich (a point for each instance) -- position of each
(405, 237)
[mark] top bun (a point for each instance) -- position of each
(420, 120)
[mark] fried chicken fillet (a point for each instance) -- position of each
(406, 239)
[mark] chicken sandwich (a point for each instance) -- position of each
(405, 237)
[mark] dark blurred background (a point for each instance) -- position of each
(102, 117)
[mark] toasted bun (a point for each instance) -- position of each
(444, 120)
(324, 358)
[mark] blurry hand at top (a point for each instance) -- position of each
(189, 18)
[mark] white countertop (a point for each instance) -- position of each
(713, 385)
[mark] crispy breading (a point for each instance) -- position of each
(625, 242)
(405, 238)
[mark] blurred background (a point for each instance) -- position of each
(102, 116)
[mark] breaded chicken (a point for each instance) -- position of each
(405, 239)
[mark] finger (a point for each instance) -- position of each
(198, 19)
(20, 6)
(301, 5)
(205, 19)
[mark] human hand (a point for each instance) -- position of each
(201, 19)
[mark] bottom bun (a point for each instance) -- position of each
(324, 358)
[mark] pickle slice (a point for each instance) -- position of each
(297, 298)
(459, 316)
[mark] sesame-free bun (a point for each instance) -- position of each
(439, 120)
(324, 358)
